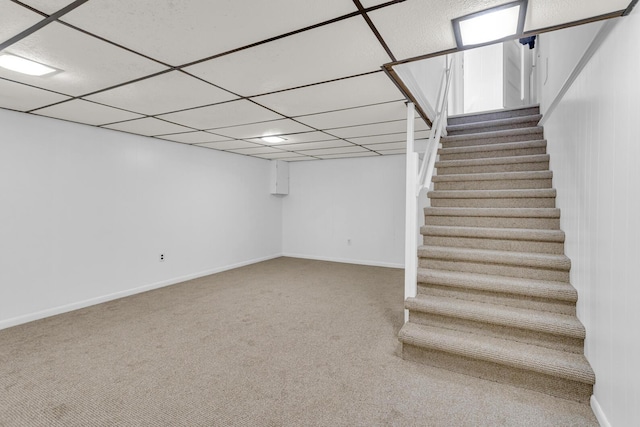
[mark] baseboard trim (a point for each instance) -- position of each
(15, 321)
(599, 413)
(345, 260)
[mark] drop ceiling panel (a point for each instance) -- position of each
(194, 137)
(297, 158)
(426, 25)
(356, 116)
(257, 150)
(546, 13)
(300, 137)
(339, 150)
(340, 49)
(392, 152)
(86, 112)
(148, 126)
(349, 155)
(353, 92)
(316, 145)
(162, 94)
(282, 155)
(374, 129)
(185, 31)
(222, 115)
(47, 6)
(14, 19)
(371, 3)
(380, 139)
(276, 127)
(17, 96)
(387, 146)
(88, 64)
(229, 145)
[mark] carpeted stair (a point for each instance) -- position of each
(494, 299)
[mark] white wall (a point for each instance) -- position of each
(595, 149)
(483, 87)
(558, 54)
(86, 212)
(333, 201)
(423, 79)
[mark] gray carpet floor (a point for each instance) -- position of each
(286, 342)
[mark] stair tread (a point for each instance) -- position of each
(494, 212)
(528, 234)
(494, 147)
(493, 134)
(492, 194)
(570, 366)
(547, 289)
(493, 176)
(533, 158)
(502, 315)
(486, 256)
(496, 111)
(497, 122)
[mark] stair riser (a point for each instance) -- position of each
(509, 167)
(559, 387)
(452, 141)
(520, 202)
(494, 222)
(510, 300)
(494, 269)
(492, 154)
(500, 184)
(555, 342)
(498, 115)
(491, 128)
(495, 244)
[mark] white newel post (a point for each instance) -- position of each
(411, 213)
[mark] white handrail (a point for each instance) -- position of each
(418, 180)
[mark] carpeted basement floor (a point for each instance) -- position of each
(286, 342)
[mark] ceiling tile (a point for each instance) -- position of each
(387, 146)
(17, 96)
(276, 127)
(279, 156)
(393, 137)
(257, 150)
(353, 92)
(48, 6)
(297, 158)
(222, 115)
(229, 145)
(336, 50)
(356, 116)
(147, 126)
(543, 14)
(300, 137)
(193, 137)
(392, 152)
(184, 31)
(316, 145)
(371, 3)
(14, 19)
(339, 150)
(99, 65)
(86, 112)
(163, 94)
(382, 128)
(349, 155)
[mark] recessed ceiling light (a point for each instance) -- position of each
(272, 139)
(24, 66)
(491, 25)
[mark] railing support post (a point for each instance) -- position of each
(411, 213)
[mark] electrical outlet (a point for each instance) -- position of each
(161, 257)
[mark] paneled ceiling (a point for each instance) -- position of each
(220, 74)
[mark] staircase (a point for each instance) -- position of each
(494, 299)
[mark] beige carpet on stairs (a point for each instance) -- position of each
(286, 342)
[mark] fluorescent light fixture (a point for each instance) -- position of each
(492, 25)
(24, 66)
(272, 139)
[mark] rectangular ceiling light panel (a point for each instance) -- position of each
(490, 25)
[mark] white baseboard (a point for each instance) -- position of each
(599, 413)
(116, 295)
(346, 260)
